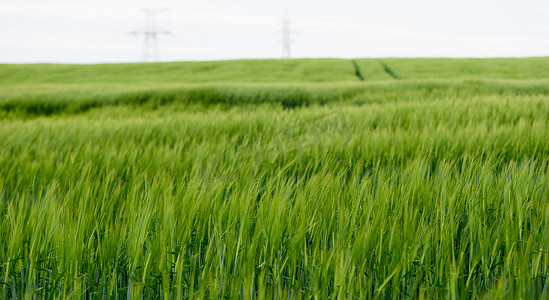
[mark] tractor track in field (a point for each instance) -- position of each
(357, 70)
(387, 69)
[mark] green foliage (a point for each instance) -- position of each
(391, 189)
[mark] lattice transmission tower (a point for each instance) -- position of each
(286, 35)
(150, 34)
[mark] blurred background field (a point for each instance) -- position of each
(49, 88)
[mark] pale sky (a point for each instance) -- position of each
(96, 31)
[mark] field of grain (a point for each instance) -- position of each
(389, 178)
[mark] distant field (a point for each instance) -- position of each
(304, 70)
(51, 89)
(493, 68)
(276, 71)
(365, 178)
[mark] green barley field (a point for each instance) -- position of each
(262, 179)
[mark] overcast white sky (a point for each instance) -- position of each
(86, 31)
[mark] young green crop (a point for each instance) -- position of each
(436, 199)
(394, 189)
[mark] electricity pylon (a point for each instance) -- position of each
(286, 36)
(150, 34)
